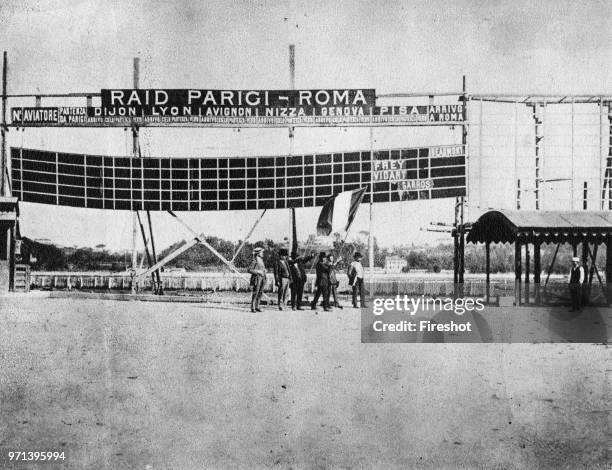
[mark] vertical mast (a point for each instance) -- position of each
(3, 159)
(293, 243)
(135, 155)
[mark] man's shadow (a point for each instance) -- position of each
(583, 326)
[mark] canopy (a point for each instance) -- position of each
(504, 226)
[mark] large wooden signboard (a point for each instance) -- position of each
(238, 108)
(201, 184)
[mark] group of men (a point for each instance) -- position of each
(290, 275)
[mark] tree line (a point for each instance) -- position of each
(49, 257)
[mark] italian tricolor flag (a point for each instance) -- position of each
(338, 212)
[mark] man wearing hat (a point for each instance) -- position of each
(297, 265)
(323, 283)
(282, 277)
(576, 278)
(322, 272)
(257, 269)
(356, 274)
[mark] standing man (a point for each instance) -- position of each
(257, 270)
(333, 280)
(323, 283)
(356, 274)
(297, 264)
(576, 278)
(320, 259)
(282, 277)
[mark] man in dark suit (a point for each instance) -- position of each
(317, 293)
(282, 277)
(297, 265)
(323, 283)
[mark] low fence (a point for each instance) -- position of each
(382, 284)
(433, 285)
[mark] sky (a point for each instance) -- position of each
(520, 47)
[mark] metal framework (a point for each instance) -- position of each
(466, 207)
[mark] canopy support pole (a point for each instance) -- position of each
(527, 273)
(537, 269)
(609, 267)
(488, 269)
(517, 272)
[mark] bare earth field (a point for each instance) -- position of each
(186, 386)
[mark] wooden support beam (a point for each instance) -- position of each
(585, 254)
(594, 269)
(488, 269)
(201, 238)
(517, 272)
(552, 264)
(170, 257)
(246, 239)
(160, 287)
(146, 246)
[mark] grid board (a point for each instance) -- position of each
(202, 184)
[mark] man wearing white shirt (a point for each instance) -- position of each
(576, 278)
(356, 275)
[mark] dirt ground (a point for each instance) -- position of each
(152, 385)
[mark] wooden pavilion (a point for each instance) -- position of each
(531, 229)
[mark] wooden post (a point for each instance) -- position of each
(461, 248)
(464, 142)
(135, 155)
(160, 289)
(456, 249)
(539, 135)
(608, 172)
(293, 244)
(584, 260)
(537, 270)
(146, 246)
(370, 290)
(609, 268)
(527, 272)
(488, 269)
(3, 157)
(572, 156)
(517, 272)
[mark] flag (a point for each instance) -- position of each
(338, 212)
